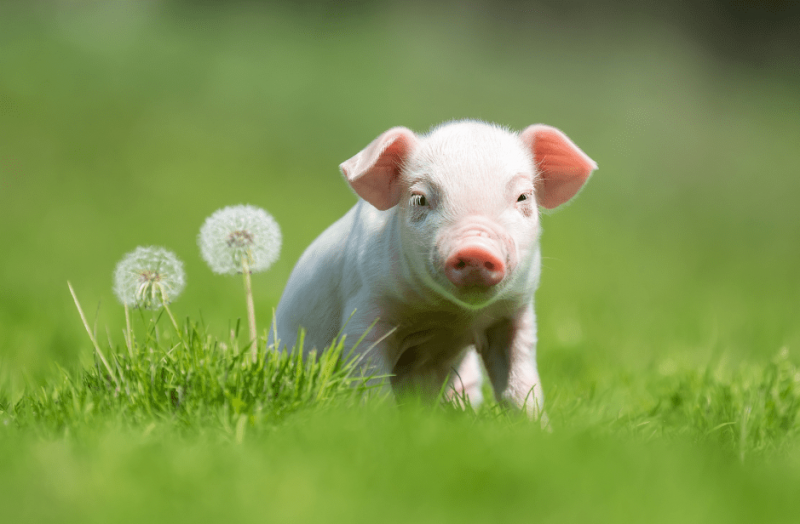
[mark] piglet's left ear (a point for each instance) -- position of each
(563, 167)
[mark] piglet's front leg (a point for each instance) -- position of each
(372, 353)
(509, 354)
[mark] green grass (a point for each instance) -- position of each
(191, 379)
(195, 381)
(189, 427)
(667, 315)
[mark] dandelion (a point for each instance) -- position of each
(238, 239)
(241, 239)
(149, 278)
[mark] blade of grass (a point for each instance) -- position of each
(91, 337)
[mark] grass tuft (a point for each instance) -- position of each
(752, 409)
(193, 380)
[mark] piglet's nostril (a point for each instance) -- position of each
(489, 266)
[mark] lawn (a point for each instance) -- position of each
(668, 309)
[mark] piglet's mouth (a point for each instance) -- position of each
(475, 296)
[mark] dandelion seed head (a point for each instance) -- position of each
(238, 235)
(149, 277)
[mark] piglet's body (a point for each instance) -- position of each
(443, 250)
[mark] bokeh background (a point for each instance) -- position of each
(126, 123)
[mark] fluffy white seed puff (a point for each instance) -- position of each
(237, 234)
(149, 277)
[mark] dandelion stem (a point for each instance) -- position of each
(91, 336)
(251, 310)
(128, 334)
(175, 324)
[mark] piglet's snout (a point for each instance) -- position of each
(475, 264)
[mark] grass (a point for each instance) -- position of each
(191, 425)
(201, 432)
(191, 378)
(196, 381)
(667, 314)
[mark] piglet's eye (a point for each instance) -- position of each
(523, 197)
(418, 200)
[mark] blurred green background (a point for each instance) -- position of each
(127, 123)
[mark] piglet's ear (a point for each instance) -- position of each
(563, 167)
(374, 172)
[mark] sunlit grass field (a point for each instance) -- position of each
(668, 311)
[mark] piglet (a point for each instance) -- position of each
(442, 253)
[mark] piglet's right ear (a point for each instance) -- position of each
(563, 167)
(374, 172)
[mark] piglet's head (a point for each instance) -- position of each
(467, 195)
